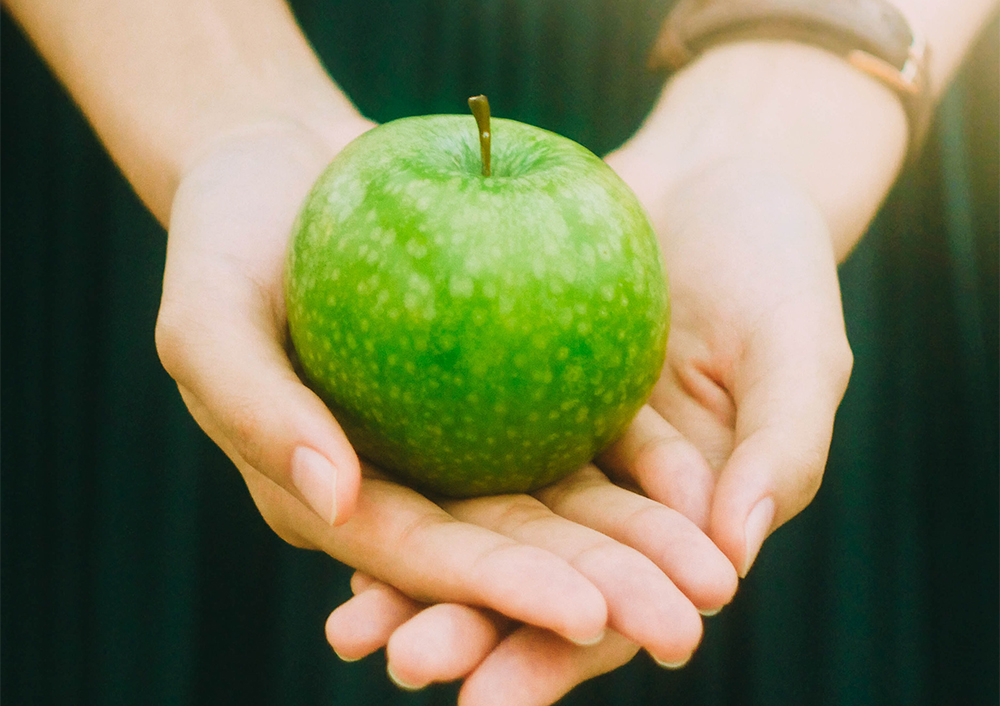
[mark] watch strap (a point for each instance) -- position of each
(872, 35)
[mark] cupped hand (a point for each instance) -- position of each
(738, 428)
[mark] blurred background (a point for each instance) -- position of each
(134, 568)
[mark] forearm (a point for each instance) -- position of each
(161, 81)
(800, 111)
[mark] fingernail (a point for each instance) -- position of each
(400, 683)
(589, 641)
(672, 665)
(755, 531)
(316, 479)
(709, 612)
(342, 658)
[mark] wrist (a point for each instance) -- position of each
(790, 107)
(319, 117)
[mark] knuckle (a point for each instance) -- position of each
(691, 629)
(810, 480)
(842, 363)
(171, 339)
(247, 431)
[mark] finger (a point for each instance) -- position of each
(667, 467)
(407, 541)
(220, 330)
(238, 372)
(533, 667)
(787, 394)
(442, 643)
(643, 604)
(267, 495)
(683, 552)
(365, 622)
(361, 582)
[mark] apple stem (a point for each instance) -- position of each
(480, 108)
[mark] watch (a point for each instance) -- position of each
(872, 35)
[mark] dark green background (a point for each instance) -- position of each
(136, 570)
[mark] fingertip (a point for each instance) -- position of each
(326, 474)
(686, 631)
(714, 584)
(348, 487)
(335, 636)
(755, 530)
(591, 627)
(365, 623)
(443, 642)
(403, 681)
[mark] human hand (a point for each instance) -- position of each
(507, 663)
(738, 428)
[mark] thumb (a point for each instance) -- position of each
(786, 398)
(241, 388)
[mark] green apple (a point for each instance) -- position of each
(476, 334)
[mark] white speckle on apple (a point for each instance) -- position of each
(567, 271)
(473, 265)
(416, 249)
(461, 287)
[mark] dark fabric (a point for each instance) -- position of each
(136, 570)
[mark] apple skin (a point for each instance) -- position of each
(476, 335)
